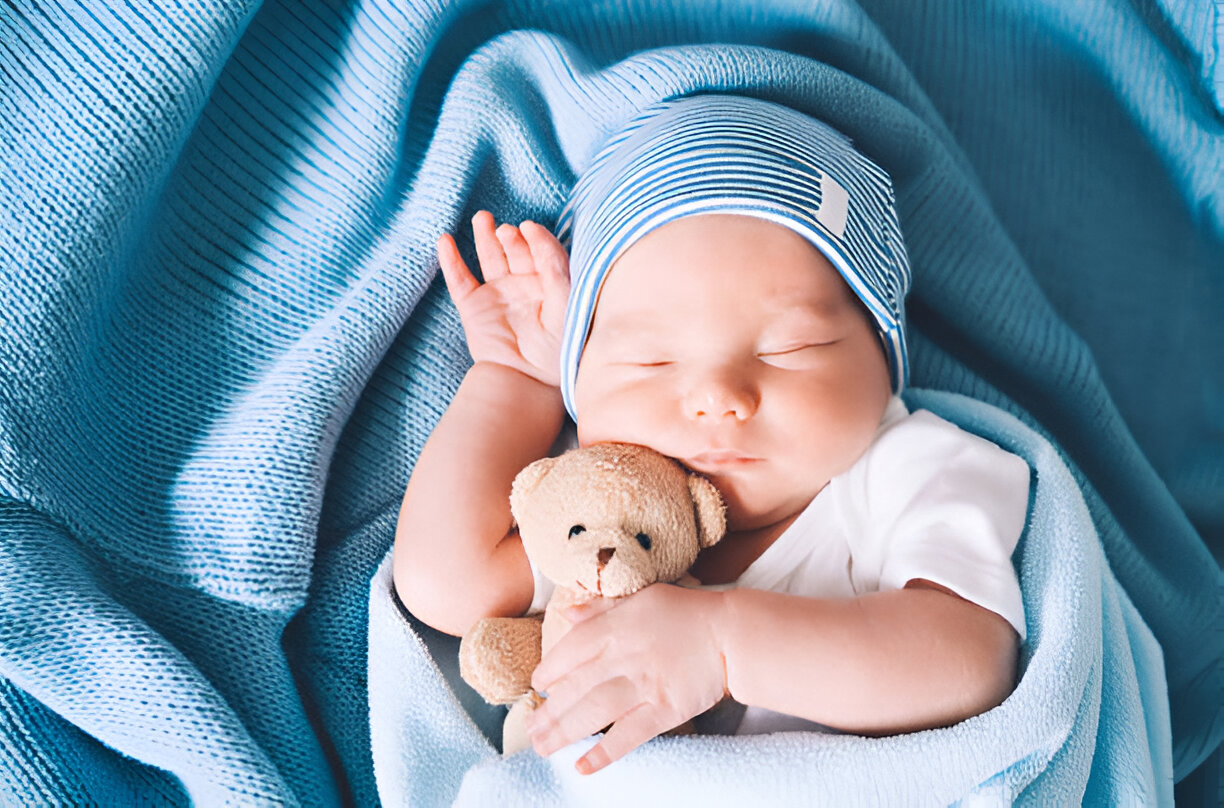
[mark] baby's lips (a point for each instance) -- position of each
(720, 464)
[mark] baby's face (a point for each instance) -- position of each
(733, 345)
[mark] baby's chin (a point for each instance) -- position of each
(744, 516)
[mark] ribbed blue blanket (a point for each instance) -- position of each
(223, 342)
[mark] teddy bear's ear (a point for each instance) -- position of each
(709, 509)
(526, 481)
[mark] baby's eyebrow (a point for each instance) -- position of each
(619, 328)
(807, 312)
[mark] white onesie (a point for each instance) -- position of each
(926, 500)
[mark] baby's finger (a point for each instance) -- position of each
(596, 710)
(552, 264)
(628, 733)
(572, 653)
(592, 608)
(549, 256)
(568, 692)
(488, 247)
(459, 280)
(518, 254)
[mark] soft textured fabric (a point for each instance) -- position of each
(223, 342)
(726, 154)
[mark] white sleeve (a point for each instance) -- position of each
(949, 507)
(567, 439)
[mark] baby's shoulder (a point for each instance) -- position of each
(922, 439)
(923, 457)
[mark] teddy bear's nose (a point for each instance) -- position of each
(605, 555)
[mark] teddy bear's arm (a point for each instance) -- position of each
(498, 656)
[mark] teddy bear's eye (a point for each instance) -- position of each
(643, 540)
(575, 530)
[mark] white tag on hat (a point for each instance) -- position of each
(834, 205)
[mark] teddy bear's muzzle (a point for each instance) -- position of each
(604, 562)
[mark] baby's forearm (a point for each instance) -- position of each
(455, 560)
(879, 664)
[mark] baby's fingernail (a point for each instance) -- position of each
(592, 761)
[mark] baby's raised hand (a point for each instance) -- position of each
(644, 663)
(516, 316)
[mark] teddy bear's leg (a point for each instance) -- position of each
(514, 730)
(498, 655)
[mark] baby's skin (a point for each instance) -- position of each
(732, 345)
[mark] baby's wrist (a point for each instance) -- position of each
(721, 627)
(738, 634)
(514, 372)
(511, 388)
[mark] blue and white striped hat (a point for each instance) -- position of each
(737, 155)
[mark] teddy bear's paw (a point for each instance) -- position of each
(498, 655)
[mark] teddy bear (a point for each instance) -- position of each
(601, 521)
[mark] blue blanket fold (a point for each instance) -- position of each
(223, 344)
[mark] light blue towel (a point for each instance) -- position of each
(1082, 724)
(223, 342)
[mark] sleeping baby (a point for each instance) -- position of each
(732, 298)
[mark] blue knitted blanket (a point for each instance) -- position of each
(223, 342)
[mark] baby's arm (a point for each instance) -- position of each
(877, 664)
(456, 557)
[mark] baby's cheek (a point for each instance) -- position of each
(622, 417)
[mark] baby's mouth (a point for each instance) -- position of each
(719, 460)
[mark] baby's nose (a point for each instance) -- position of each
(719, 396)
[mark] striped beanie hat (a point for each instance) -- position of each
(734, 155)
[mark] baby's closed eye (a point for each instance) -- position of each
(642, 356)
(786, 349)
(795, 353)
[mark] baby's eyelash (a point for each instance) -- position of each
(798, 348)
(633, 363)
(790, 350)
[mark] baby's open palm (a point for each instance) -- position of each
(516, 316)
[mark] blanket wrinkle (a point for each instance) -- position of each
(223, 343)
